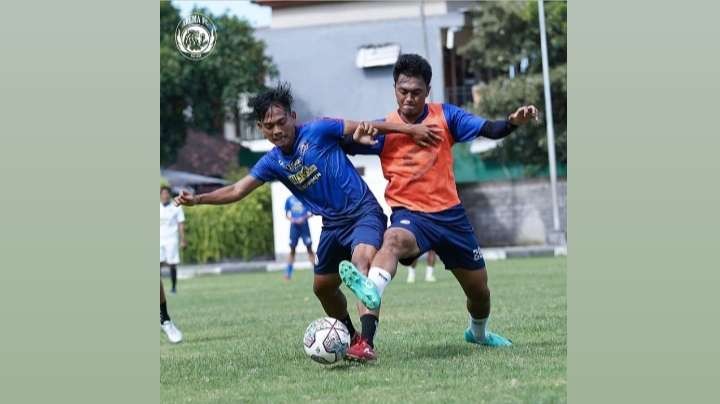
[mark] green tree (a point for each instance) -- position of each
(505, 33)
(172, 98)
(500, 38)
(202, 94)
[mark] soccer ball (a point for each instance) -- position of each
(326, 340)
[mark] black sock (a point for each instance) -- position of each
(173, 275)
(369, 327)
(348, 323)
(164, 316)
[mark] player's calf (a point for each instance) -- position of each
(327, 290)
(478, 305)
(474, 284)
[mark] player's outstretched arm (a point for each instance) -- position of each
(422, 135)
(229, 194)
(502, 128)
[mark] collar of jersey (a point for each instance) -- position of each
(421, 117)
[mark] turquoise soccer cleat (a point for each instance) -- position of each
(491, 339)
(360, 285)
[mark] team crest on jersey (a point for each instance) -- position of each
(303, 148)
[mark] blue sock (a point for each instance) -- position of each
(289, 271)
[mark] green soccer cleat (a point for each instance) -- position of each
(360, 285)
(491, 339)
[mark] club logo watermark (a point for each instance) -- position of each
(195, 36)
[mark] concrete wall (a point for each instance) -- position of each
(514, 213)
(503, 213)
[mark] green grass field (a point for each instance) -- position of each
(243, 341)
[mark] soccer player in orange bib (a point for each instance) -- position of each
(427, 212)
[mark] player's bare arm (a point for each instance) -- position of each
(229, 194)
(423, 135)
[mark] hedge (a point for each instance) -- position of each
(241, 230)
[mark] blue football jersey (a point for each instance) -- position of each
(318, 173)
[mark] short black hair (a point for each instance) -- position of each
(166, 188)
(412, 65)
(280, 95)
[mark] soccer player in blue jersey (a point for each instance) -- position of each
(298, 216)
(309, 161)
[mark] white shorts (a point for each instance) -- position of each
(169, 253)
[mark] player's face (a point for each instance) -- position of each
(410, 93)
(164, 196)
(278, 127)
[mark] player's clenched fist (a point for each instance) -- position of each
(185, 198)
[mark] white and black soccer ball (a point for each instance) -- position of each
(326, 340)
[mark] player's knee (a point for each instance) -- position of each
(323, 289)
(362, 262)
(479, 293)
(362, 257)
(396, 242)
(319, 290)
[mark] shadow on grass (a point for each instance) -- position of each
(346, 366)
(340, 367)
(439, 351)
(212, 338)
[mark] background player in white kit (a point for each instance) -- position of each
(172, 225)
(429, 277)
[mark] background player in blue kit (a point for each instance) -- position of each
(298, 216)
(309, 161)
